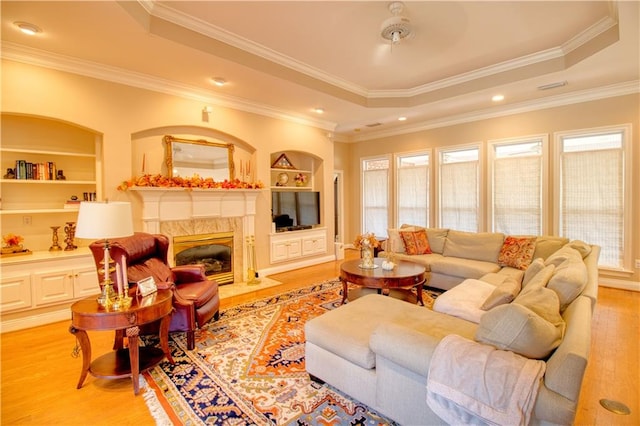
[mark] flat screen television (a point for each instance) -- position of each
(295, 209)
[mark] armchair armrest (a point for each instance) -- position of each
(188, 273)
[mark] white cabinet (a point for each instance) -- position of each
(315, 244)
(285, 249)
(15, 292)
(42, 282)
(296, 244)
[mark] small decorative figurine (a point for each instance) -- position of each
(10, 174)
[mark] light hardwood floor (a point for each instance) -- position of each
(39, 373)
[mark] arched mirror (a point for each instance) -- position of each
(187, 157)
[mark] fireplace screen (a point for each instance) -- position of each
(214, 251)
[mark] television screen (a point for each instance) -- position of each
(295, 208)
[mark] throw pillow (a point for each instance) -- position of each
(544, 302)
(517, 252)
(503, 293)
(541, 279)
(536, 266)
(416, 242)
(518, 329)
(568, 281)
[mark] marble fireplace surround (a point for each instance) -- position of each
(179, 212)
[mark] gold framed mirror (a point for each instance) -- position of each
(189, 157)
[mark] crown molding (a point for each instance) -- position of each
(30, 56)
(162, 11)
(610, 91)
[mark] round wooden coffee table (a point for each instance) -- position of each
(404, 276)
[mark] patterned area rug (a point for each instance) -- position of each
(248, 369)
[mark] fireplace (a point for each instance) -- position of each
(214, 251)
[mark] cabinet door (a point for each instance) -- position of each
(52, 287)
(295, 248)
(314, 245)
(15, 292)
(85, 282)
(285, 250)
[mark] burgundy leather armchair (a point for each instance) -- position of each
(195, 298)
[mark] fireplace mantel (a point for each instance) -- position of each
(171, 204)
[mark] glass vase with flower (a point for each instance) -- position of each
(366, 243)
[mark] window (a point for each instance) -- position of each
(375, 195)
(594, 190)
(412, 189)
(516, 195)
(458, 189)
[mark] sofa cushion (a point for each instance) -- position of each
(503, 293)
(540, 279)
(583, 248)
(152, 267)
(423, 259)
(536, 266)
(568, 281)
(546, 245)
(415, 242)
(544, 302)
(483, 246)
(394, 242)
(437, 238)
(465, 268)
(566, 252)
(517, 252)
(464, 300)
(516, 328)
(345, 331)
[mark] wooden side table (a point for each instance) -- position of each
(87, 315)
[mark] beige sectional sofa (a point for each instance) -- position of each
(458, 255)
(380, 350)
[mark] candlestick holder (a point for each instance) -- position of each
(70, 233)
(55, 246)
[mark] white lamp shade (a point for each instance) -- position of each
(102, 220)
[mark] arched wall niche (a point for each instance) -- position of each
(148, 150)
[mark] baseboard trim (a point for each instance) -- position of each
(619, 284)
(296, 265)
(35, 320)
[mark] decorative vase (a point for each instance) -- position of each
(367, 258)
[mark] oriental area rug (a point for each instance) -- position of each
(248, 369)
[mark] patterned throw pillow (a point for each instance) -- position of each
(517, 252)
(416, 242)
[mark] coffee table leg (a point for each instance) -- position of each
(85, 347)
(132, 338)
(419, 291)
(345, 287)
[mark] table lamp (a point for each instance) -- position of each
(101, 221)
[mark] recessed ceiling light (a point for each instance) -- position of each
(28, 28)
(497, 98)
(402, 118)
(319, 110)
(219, 81)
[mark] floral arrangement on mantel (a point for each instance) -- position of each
(160, 181)
(367, 240)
